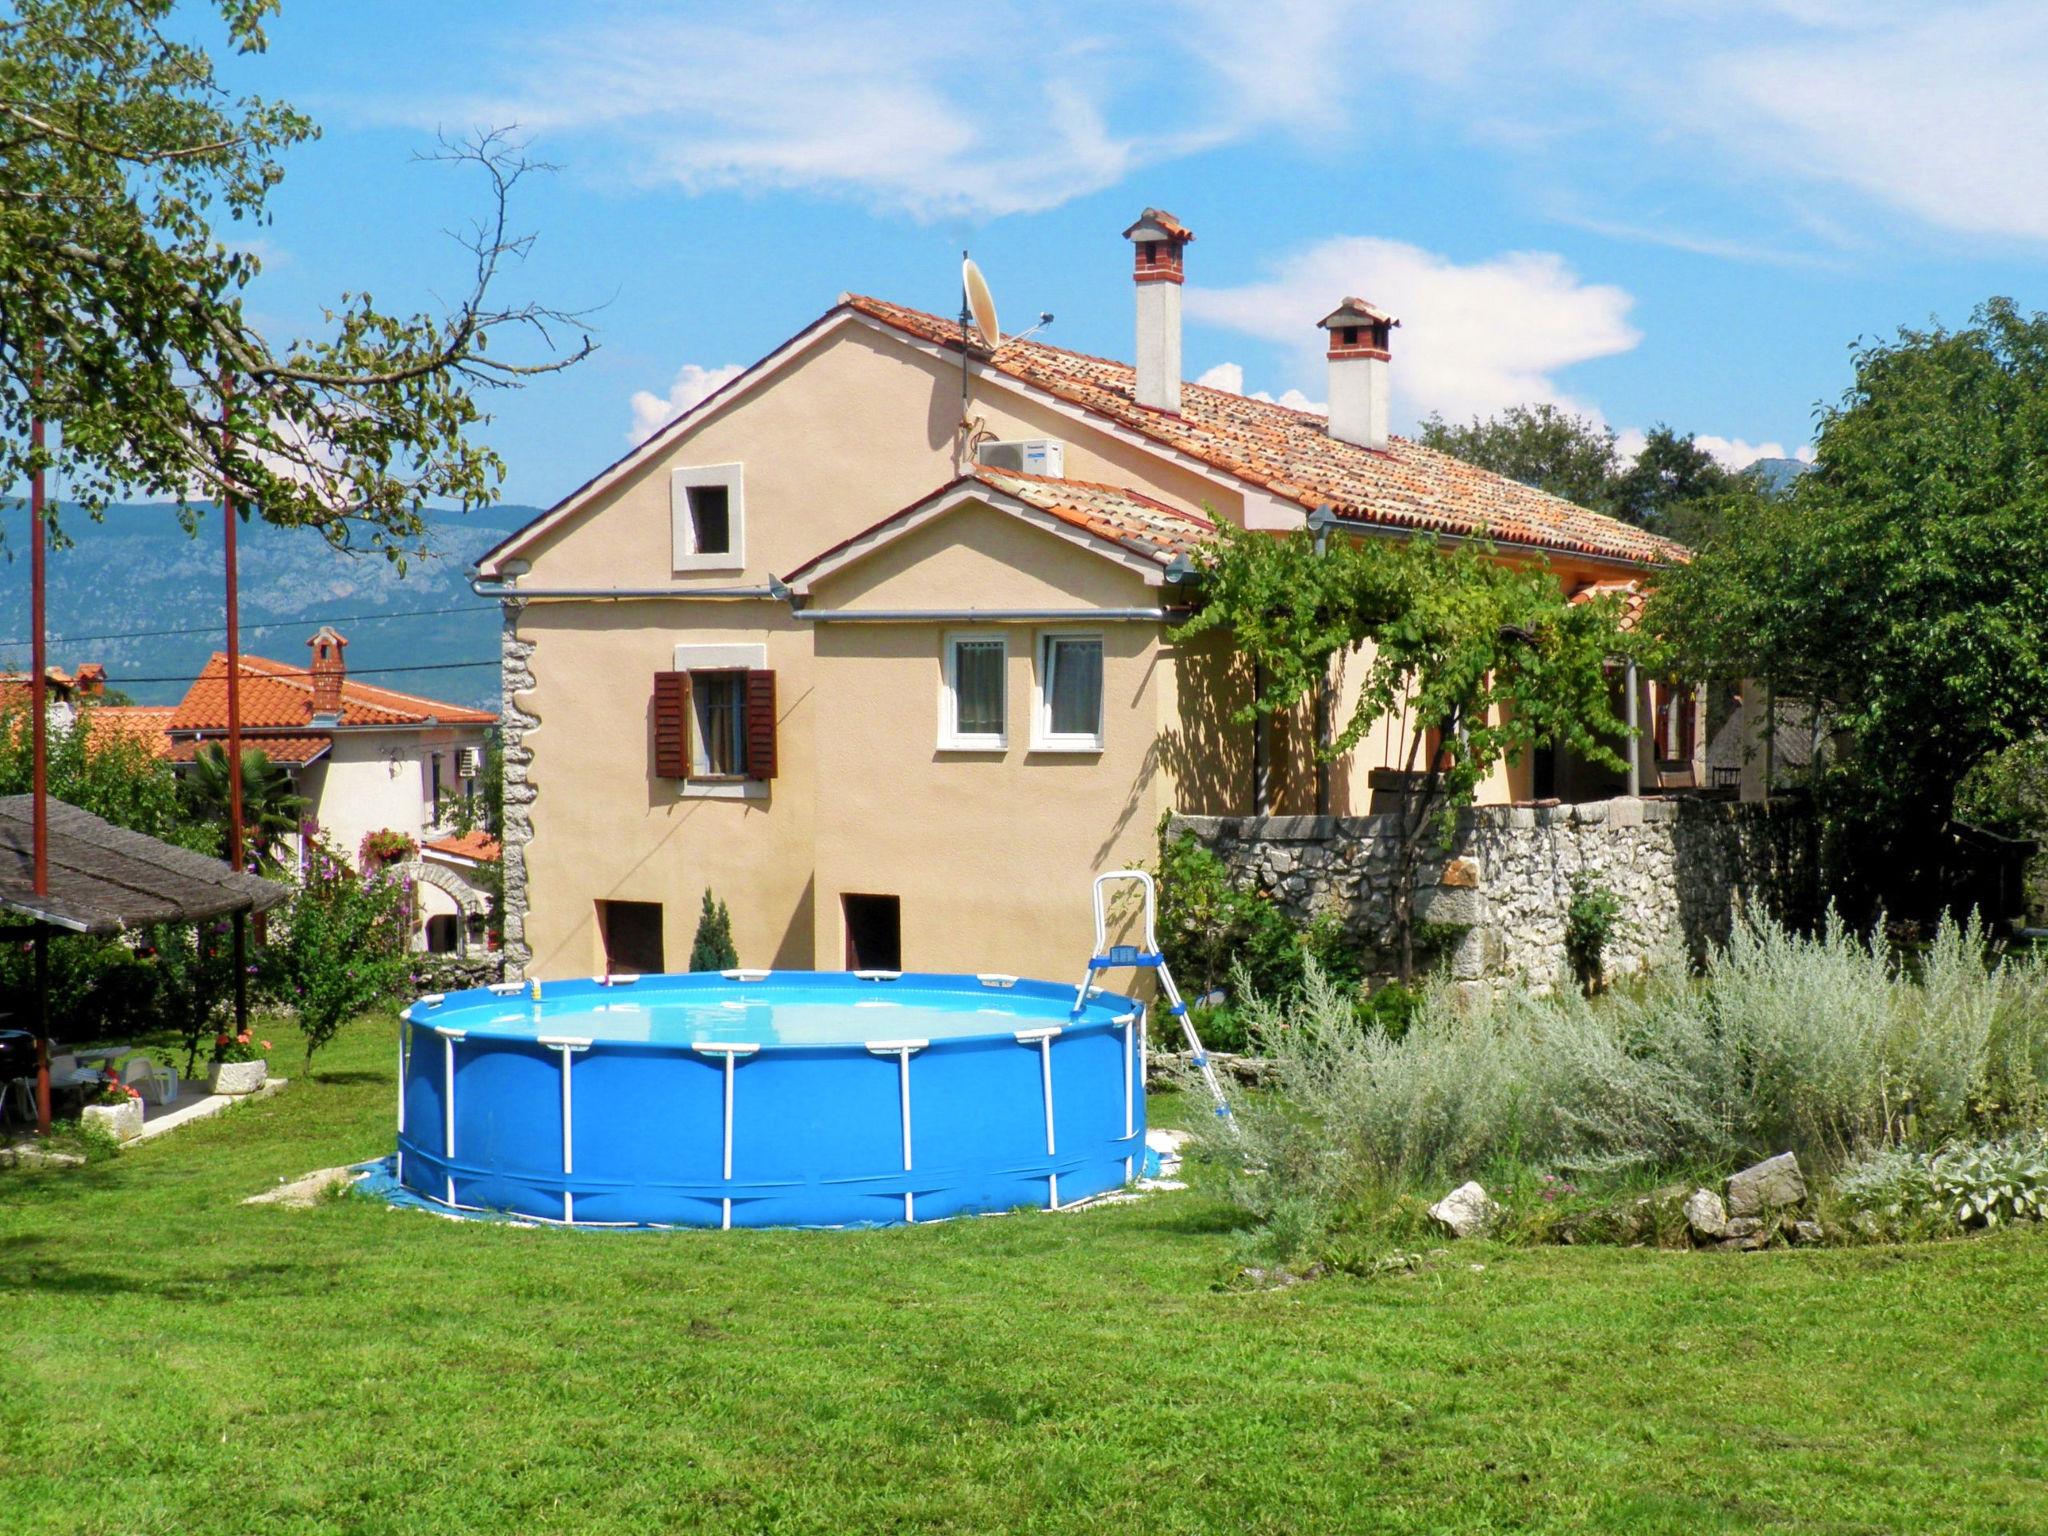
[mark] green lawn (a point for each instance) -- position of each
(172, 1361)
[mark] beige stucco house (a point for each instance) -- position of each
(367, 759)
(873, 643)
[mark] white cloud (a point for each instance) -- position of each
(1738, 453)
(1475, 337)
(692, 384)
(1229, 377)
(1938, 112)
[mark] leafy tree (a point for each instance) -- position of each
(1487, 660)
(121, 306)
(1540, 445)
(343, 946)
(112, 775)
(712, 950)
(1674, 487)
(1902, 586)
(272, 810)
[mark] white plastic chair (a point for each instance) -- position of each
(158, 1085)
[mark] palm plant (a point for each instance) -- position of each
(272, 809)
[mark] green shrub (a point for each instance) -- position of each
(1899, 1192)
(712, 950)
(2007, 792)
(1589, 923)
(1818, 1045)
(1214, 931)
(343, 946)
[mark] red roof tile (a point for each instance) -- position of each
(478, 846)
(144, 723)
(275, 695)
(1291, 454)
(1632, 595)
(1112, 513)
(294, 751)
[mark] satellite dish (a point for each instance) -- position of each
(980, 302)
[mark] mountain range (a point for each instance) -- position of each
(138, 594)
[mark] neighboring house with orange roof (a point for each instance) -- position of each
(873, 642)
(145, 724)
(369, 759)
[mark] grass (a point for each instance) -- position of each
(174, 1361)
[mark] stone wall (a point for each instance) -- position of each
(1496, 902)
(516, 659)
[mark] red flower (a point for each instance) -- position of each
(266, 1045)
(221, 1038)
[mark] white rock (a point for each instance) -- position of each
(1705, 1213)
(1770, 1185)
(1466, 1211)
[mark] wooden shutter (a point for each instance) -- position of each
(760, 725)
(671, 725)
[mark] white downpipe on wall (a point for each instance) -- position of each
(1635, 741)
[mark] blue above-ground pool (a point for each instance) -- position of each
(759, 1099)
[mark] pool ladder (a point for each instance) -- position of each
(1108, 956)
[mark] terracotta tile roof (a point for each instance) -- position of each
(276, 695)
(1631, 593)
(478, 846)
(1113, 512)
(15, 687)
(144, 723)
(1290, 453)
(295, 751)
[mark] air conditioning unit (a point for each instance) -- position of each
(1031, 455)
(467, 760)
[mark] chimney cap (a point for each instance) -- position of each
(1158, 224)
(329, 633)
(1356, 312)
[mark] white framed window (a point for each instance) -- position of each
(1068, 716)
(974, 712)
(718, 745)
(708, 518)
(717, 736)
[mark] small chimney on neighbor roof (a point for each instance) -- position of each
(1360, 363)
(328, 671)
(1159, 243)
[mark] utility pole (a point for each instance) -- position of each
(39, 720)
(234, 619)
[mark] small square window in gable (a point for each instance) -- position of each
(707, 516)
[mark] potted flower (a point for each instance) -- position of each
(238, 1064)
(118, 1107)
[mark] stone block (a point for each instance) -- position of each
(1626, 811)
(1460, 873)
(1466, 1211)
(1441, 904)
(1774, 1184)
(1593, 813)
(1705, 1214)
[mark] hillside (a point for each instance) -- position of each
(129, 579)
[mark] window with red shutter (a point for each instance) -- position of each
(761, 725)
(671, 725)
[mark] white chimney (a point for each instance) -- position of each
(1158, 241)
(1360, 363)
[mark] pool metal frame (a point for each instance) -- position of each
(1130, 1024)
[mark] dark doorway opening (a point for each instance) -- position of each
(442, 935)
(1543, 773)
(874, 933)
(632, 937)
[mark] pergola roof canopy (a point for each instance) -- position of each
(106, 879)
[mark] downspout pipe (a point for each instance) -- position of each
(1635, 740)
(1319, 522)
(512, 591)
(987, 615)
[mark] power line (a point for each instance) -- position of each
(424, 666)
(214, 629)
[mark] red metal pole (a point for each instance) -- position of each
(228, 521)
(234, 616)
(38, 692)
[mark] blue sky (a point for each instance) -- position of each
(1650, 212)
